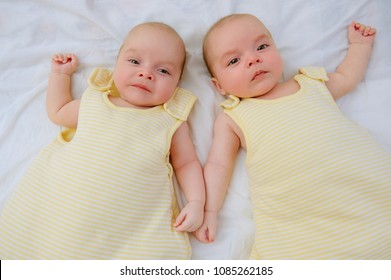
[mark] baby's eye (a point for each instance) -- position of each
(233, 61)
(163, 71)
(262, 47)
(134, 61)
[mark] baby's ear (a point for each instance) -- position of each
(217, 85)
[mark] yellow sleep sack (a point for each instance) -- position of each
(105, 192)
(320, 185)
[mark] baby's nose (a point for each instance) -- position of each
(253, 61)
(146, 75)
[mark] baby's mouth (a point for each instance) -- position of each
(142, 87)
(258, 74)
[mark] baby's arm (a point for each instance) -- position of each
(218, 171)
(188, 171)
(352, 69)
(62, 109)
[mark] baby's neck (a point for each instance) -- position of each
(120, 102)
(281, 90)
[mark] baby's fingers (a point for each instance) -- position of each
(186, 224)
(179, 220)
(365, 30)
(183, 227)
(371, 31)
(63, 58)
(211, 235)
(202, 235)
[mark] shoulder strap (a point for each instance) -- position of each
(101, 79)
(231, 102)
(180, 104)
(316, 73)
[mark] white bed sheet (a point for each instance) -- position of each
(308, 32)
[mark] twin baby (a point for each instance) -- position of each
(320, 185)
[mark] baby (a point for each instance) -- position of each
(320, 185)
(104, 190)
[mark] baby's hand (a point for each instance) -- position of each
(64, 63)
(207, 232)
(361, 34)
(191, 217)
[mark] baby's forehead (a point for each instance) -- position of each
(235, 32)
(155, 28)
(157, 36)
(240, 25)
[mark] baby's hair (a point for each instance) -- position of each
(216, 25)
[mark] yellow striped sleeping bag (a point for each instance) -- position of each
(320, 185)
(105, 192)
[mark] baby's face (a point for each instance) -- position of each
(243, 58)
(149, 66)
